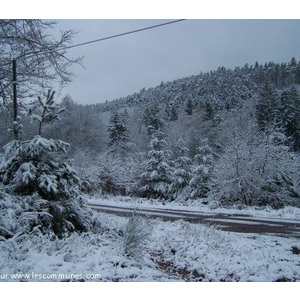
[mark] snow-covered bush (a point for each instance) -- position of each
(109, 181)
(37, 169)
(87, 170)
(256, 167)
(38, 165)
(136, 233)
(19, 215)
(72, 214)
(117, 176)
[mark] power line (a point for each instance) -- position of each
(125, 33)
(97, 40)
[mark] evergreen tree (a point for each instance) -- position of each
(38, 168)
(189, 107)
(290, 115)
(124, 116)
(173, 113)
(119, 141)
(108, 183)
(209, 111)
(167, 110)
(201, 174)
(44, 110)
(268, 107)
(182, 168)
(156, 178)
(297, 74)
(293, 64)
(152, 119)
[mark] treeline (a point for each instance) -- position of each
(236, 160)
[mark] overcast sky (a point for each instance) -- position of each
(124, 65)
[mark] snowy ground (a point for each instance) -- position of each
(174, 251)
(288, 212)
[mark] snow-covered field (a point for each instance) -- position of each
(172, 251)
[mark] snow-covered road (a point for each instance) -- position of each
(234, 223)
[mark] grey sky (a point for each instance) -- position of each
(122, 66)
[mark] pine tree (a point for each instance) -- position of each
(268, 107)
(167, 110)
(108, 183)
(173, 113)
(293, 64)
(202, 172)
(156, 178)
(119, 141)
(36, 169)
(152, 119)
(124, 116)
(47, 110)
(297, 74)
(182, 168)
(37, 166)
(189, 107)
(290, 115)
(209, 111)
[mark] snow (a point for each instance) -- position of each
(227, 256)
(78, 255)
(48, 182)
(210, 254)
(27, 172)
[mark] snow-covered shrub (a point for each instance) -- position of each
(117, 176)
(38, 165)
(37, 168)
(136, 234)
(25, 214)
(109, 182)
(19, 215)
(88, 186)
(256, 167)
(87, 170)
(72, 214)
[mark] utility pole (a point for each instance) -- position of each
(15, 102)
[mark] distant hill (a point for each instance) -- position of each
(222, 89)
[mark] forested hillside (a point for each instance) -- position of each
(223, 88)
